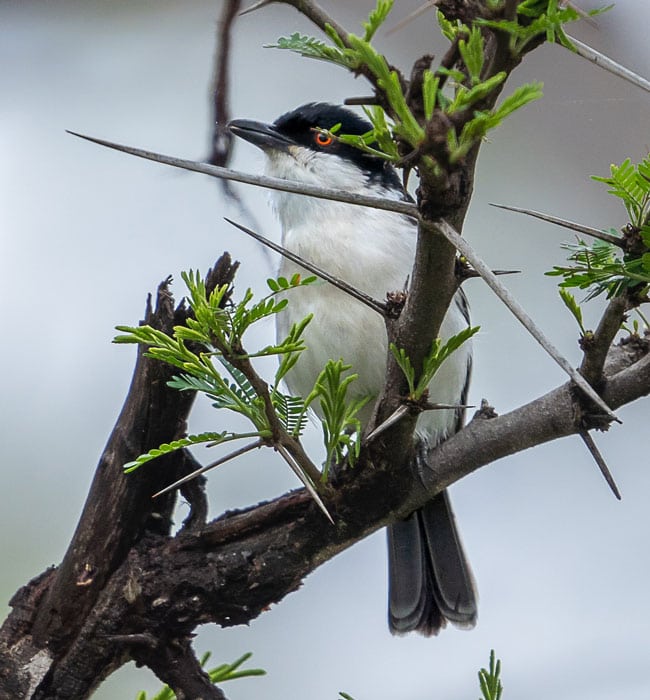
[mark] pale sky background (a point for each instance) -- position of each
(562, 567)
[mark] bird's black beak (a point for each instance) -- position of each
(265, 136)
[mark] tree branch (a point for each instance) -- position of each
(221, 135)
(176, 665)
(117, 513)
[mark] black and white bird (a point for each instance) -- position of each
(430, 581)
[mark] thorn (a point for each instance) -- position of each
(274, 183)
(395, 417)
(304, 478)
(212, 465)
(583, 14)
(580, 228)
(609, 65)
(257, 6)
(357, 294)
(411, 16)
(602, 465)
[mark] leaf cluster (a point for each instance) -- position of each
(341, 426)
(602, 267)
(631, 184)
(208, 348)
(451, 91)
(210, 353)
(538, 19)
(438, 353)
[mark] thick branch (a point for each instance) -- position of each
(243, 562)
(118, 512)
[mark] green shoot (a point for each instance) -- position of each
(573, 306)
(469, 87)
(489, 679)
(341, 425)
(438, 353)
(601, 267)
(631, 184)
(210, 355)
(538, 19)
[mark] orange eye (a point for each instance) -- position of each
(323, 139)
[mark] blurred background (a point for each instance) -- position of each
(87, 233)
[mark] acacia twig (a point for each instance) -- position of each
(565, 223)
(379, 203)
(290, 459)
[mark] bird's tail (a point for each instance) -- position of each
(429, 577)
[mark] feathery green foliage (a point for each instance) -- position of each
(601, 267)
(438, 353)
(451, 91)
(210, 353)
(631, 184)
(341, 426)
(209, 347)
(538, 19)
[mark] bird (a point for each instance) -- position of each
(430, 581)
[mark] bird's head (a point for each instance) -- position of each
(297, 149)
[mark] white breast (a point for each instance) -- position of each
(372, 250)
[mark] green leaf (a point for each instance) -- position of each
(438, 353)
(376, 18)
(291, 348)
(168, 447)
(310, 47)
(451, 29)
(631, 184)
(404, 363)
(430, 85)
(472, 53)
(489, 679)
(600, 268)
(340, 423)
(573, 306)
